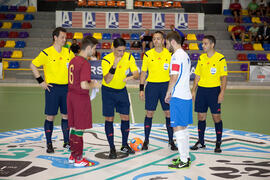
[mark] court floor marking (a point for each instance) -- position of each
(131, 109)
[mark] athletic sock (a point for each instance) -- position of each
(219, 129)
(76, 144)
(125, 132)
(201, 130)
(48, 128)
(169, 129)
(65, 130)
(182, 138)
(147, 127)
(109, 133)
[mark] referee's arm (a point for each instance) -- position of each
(222, 88)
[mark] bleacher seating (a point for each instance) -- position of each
(9, 16)
(6, 54)
(17, 54)
(194, 56)
(116, 35)
(78, 35)
(69, 35)
(87, 34)
(193, 46)
(22, 8)
(266, 47)
(191, 37)
(13, 65)
(97, 35)
(106, 36)
(28, 17)
(136, 55)
(261, 57)
(4, 8)
(23, 34)
(252, 57)
(106, 45)
(258, 47)
(2, 43)
(10, 44)
(19, 17)
(244, 67)
(242, 57)
(20, 44)
(16, 25)
(6, 25)
(31, 9)
(3, 34)
(12, 8)
(135, 36)
(98, 46)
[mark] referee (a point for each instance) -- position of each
(210, 82)
(156, 62)
(55, 60)
(115, 68)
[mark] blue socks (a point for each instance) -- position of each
(169, 129)
(65, 130)
(109, 133)
(147, 127)
(125, 132)
(48, 128)
(219, 129)
(201, 130)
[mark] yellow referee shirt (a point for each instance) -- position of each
(157, 65)
(211, 69)
(55, 64)
(122, 70)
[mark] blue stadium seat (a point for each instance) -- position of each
(252, 57)
(28, 17)
(106, 36)
(4, 8)
(227, 12)
(20, 44)
(200, 46)
(136, 55)
(266, 47)
(127, 46)
(135, 36)
(246, 20)
(16, 25)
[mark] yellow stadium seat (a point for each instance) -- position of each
(191, 37)
(244, 12)
(5, 65)
(268, 57)
(31, 9)
(256, 20)
(230, 28)
(19, 17)
(6, 25)
(16, 54)
(10, 44)
(78, 35)
(97, 35)
(193, 46)
(258, 47)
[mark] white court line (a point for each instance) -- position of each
(131, 109)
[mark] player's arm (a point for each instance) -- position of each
(91, 85)
(38, 77)
(195, 86)
(142, 81)
(173, 80)
(109, 76)
(222, 88)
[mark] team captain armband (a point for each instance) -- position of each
(175, 67)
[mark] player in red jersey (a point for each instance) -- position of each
(78, 100)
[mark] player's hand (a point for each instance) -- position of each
(193, 95)
(128, 78)
(168, 97)
(220, 98)
(142, 95)
(116, 60)
(45, 86)
(94, 84)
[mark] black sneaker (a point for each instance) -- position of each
(197, 146)
(218, 149)
(66, 145)
(173, 146)
(180, 165)
(145, 145)
(112, 154)
(50, 148)
(177, 160)
(126, 149)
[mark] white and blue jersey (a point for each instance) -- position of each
(181, 65)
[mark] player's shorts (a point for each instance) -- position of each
(155, 92)
(79, 111)
(181, 112)
(57, 97)
(114, 99)
(207, 97)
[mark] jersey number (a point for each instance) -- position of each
(71, 76)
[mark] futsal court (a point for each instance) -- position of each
(246, 142)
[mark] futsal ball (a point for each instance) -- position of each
(136, 144)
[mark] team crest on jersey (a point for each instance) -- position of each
(225, 68)
(173, 58)
(166, 66)
(213, 70)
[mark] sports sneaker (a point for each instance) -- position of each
(145, 145)
(218, 149)
(126, 149)
(66, 145)
(112, 154)
(177, 160)
(50, 148)
(197, 146)
(71, 159)
(180, 165)
(82, 163)
(173, 146)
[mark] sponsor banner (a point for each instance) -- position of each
(260, 72)
(96, 70)
(1, 69)
(129, 20)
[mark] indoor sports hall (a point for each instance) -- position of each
(25, 30)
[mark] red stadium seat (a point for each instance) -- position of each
(138, 4)
(111, 3)
(126, 36)
(26, 25)
(101, 3)
(69, 35)
(2, 43)
(157, 4)
(121, 4)
(167, 4)
(81, 2)
(13, 34)
(147, 4)
(242, 57)
(248, 47)
(22, 9)
(177, 4)
(185, 46)
(106, 45)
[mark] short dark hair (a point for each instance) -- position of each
(88, 41)
(211, 38)
(159, 32)
(174, 36)
(119, 42)
(57, 31)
